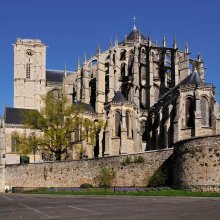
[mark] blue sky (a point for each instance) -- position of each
(70, 27)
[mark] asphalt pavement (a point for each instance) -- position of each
(31, 207)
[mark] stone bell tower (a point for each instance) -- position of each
(29, 73)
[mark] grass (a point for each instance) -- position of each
(101, 192)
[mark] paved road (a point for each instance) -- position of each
(30, 207)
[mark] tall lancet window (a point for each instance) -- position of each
(143, 73)
(144, 98)
(205, 113)
(117, 124)
(189, 111)
(123, 69)
(128, 124)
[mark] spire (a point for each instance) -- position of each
(156, 42)
(126, 37)
(84, 57)
(199, 57)
(186, 50)
(65, 72)
(99, 49)
(139, 36)
(78, 63)
(110, 44)
(134, 19)
(116, 41)
(164, 41)
(149, 39)
(175, 43)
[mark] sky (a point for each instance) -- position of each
(70, 27)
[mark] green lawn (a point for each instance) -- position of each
(97, 192)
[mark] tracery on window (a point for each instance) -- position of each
(205, 111)
(117, 124)
(123, 54)
(189, 113)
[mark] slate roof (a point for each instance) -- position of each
(15, 115)
(54, 76)
(119, 97)
(133, 35)
(85, 106)
(192, 79)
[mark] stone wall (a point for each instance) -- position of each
(74, 173)
(196, 164)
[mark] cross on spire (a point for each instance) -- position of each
(134, 19)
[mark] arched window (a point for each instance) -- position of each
(167, 59)
(128, 124)
(123, 55)
(189, 111)
(143, 130)
(168, 78)
(205, 113)
(143, 98)
(130, 62)
(117, 124)
(143, 56)
(123, 69)
(15, 143)
(143, 73)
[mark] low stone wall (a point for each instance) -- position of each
(196, 164)
(74, 173)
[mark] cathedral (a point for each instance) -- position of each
(149, 95)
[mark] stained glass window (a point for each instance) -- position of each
(190, 115)
(117, 124)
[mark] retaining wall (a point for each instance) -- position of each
(74, 173)
(196, 164)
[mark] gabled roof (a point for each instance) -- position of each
(85, 106)
(119, 97)
(15, 115)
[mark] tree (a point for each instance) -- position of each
(54, 125)
(106, 176)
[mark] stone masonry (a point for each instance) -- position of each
(74, 173)
(197, 164)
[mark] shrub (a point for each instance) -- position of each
(86, 185)
(127, 161)
(105, 177)
(158, 179)
(139, 159)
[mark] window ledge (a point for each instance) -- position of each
(115, 137)
(186, 128)
(206, 127)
